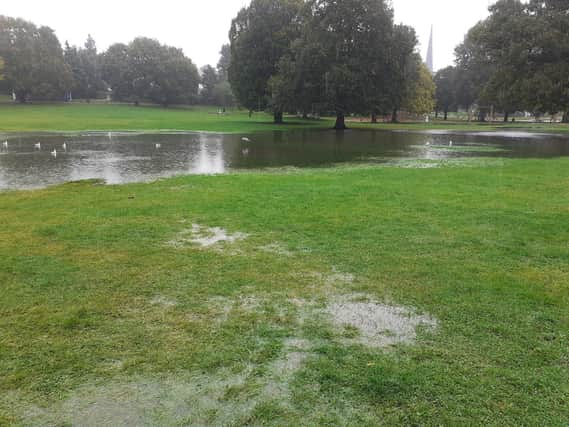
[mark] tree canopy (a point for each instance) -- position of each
(260, 36)
(86, 68)
(34, 65)
(145, 70)
(516, 59)
(337, 56)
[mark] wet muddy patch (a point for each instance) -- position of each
(375, 324)
(205, 237)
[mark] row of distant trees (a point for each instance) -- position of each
(340, 56)
(515, 60)
(36, 67)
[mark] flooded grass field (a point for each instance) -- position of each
(414, 282)
(39, 160)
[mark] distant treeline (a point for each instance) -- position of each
(515, 60)
(313, 57)
(35, 67)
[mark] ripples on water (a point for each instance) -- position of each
(121, 158)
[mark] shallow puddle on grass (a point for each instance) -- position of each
(378, 325)
(205, 237)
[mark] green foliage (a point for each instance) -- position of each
(445, 82)
(422, 91)
(209, 80)
(33, 60)
(517, 59)
(344, 53)
(85, 65)
(260, 36)
(145, 70)
(402, 66)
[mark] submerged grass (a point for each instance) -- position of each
(97, 305)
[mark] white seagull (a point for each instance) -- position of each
(64, 146)
(450, 144)
(5, 144)
(245, 139)
(54, 153)
(158, 146)
(38, 145)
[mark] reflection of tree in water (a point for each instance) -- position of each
(210, 157)
(136, 157)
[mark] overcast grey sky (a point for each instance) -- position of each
(200, 27)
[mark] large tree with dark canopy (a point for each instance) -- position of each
(85, 65)
(209, 80)
(403, 67)
(517, 58)
(342, 55)
(260, 36)
(445, 81)
(34, 63)
(145, 70)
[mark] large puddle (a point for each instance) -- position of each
(38, 160)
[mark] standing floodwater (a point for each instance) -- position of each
(35, 161)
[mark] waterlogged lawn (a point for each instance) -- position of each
(250, 299)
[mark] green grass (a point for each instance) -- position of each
(96, 305)
(464, 126)
(122, 117)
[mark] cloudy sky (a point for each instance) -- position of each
(200, 27)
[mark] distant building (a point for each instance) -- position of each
(430, 62)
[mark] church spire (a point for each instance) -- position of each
(430, 62)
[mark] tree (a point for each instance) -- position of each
(422, 90)
(209, 80)
(116, 71)
(445, 81)
(341, 53)
(34, 64)
(223, 95)
(473, 68)
(402, 67)
(145, 70)
(260, 36)
(1, 68)
(549, 60)
(85, 65)
(518, 58)
(224, 62)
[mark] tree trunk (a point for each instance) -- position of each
(481, 116)
(374, 118)
(278, 115)
(394, 116)
(506, 117)
(340, 122)
(305, 115)
(436, 113)
(446, 115)
(565, 118)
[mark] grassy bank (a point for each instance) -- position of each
(119, 117)
(111, 309)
